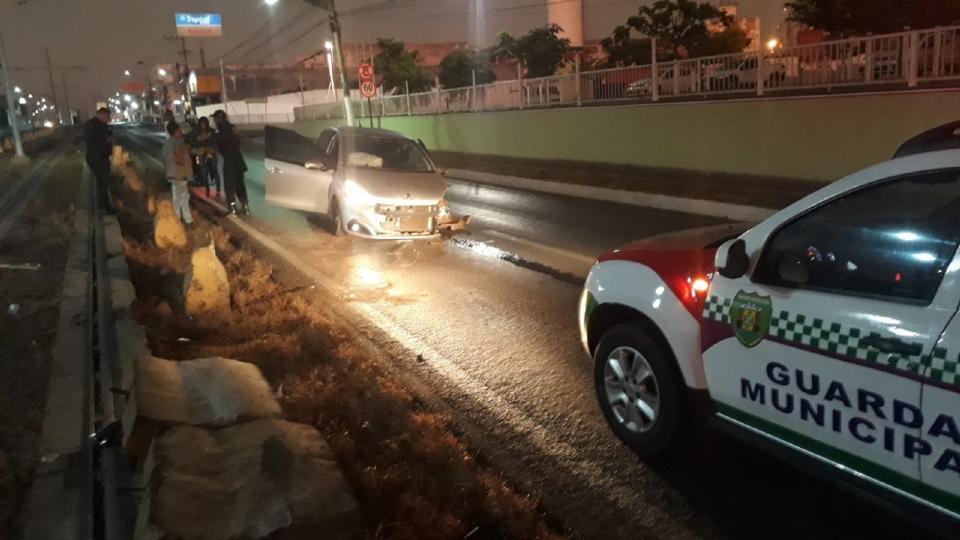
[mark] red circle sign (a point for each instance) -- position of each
(368, 89)
(365, 71)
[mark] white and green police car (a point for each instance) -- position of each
(831, 329)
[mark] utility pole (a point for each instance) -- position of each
(66, 97)
(223, 83)
(335, 29)
(203, 55)
(186, 68)
(11, 107)
(53, 89)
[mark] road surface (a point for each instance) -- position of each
(501, 352)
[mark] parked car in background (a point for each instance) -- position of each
(684, 84)
(741, 74)
(370, 182)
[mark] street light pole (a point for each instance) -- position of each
(11, 107)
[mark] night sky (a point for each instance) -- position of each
(102, 38)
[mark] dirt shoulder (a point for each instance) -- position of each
(414, 477)
(29, 313)
(721, 187)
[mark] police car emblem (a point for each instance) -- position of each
(750, 316)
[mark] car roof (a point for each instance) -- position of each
(349, 131)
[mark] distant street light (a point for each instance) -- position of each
(772, 44)
(270, 2)
(30, 96)
(127, 98)
(17, 89)
(23, 101)
(134, 106)
(162, 72)
(328, 45)
(126, 72)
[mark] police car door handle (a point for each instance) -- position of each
(892, 345)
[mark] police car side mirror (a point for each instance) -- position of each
(793, 268)
(732, 260)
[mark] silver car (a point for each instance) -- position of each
(370, 182)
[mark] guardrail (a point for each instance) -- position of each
(904, 59)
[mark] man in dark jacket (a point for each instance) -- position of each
(228, 144)
(99, 140)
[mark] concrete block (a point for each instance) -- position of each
(210, 392)
(206, 289)
(264, 478)
(168, 230)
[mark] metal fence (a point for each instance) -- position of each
(904, 59)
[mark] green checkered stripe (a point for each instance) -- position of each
(717, 309)
(842, 340)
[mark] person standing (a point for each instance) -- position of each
(99, 141)
(234, 167)
(179, 167)
(204, 142)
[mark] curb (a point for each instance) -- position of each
(731, 211)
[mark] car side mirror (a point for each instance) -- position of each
(794, 269)
(732, 261)
(315, 166)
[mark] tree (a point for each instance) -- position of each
(859, 17)
(683, 29)
(398, 67)
(625, 50)
(541, 50)
(459, 65)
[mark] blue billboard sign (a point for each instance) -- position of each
(199, 25)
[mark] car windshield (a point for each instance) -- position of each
(387, 153)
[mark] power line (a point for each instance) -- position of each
(269, 49)
(258, 31)
(281, 27)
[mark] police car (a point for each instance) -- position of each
(829, 330)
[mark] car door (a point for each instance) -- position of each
(295, 168)
(940, 459)
(821, 344)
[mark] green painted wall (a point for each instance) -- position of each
(818, 138)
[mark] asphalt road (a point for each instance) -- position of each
(500, 350)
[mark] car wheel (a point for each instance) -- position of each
(336, 220)
(639, 390)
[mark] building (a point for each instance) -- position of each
(750, 25)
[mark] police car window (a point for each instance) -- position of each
(891, 241)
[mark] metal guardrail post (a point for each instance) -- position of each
(473, 90)
(576, 68)
(868, 76)
(676, 78)
(914, 58)
(406, 85)
(760, 70)
(520, 81)
(439, 108)
(654, 79)
(937, 39)
(383, 103)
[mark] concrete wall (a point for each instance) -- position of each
(818, 138)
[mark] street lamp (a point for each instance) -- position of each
(772, 44)
(162, 72)
(330, 6)
(23, 101)
(17, 89)
(127, 98)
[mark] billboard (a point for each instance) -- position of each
(199, 25)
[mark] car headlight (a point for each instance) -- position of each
(357, 194)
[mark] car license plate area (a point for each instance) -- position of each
(407, 219)
(409, 224)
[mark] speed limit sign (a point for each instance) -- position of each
(368, 89)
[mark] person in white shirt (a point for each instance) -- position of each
(179, 169)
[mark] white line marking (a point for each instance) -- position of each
(536, 245)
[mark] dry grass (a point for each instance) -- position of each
(413, 476)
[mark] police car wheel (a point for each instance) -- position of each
(639, 391)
